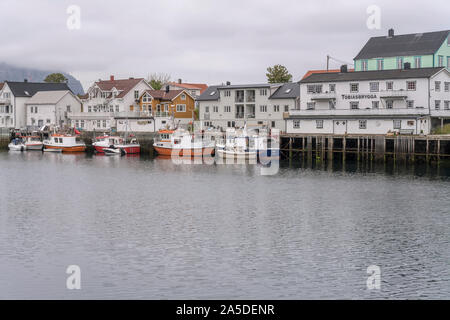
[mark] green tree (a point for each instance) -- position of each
(278, 74)
(55, 77)
(157, 80)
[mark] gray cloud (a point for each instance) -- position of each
(200, 40)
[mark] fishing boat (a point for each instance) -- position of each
(237, 145)
(116, 142)
(17, 144)
(65, 142)
(181, 142)
(33, 143)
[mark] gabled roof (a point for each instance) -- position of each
(166, 96)
(310, 72)
(372, 75)
(210, 94)
(190, 86)
(122, 85)
(48, 97)
(1, 85)
(287, 91)
(403, 45)
(29, 89)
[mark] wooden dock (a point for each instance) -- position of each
(376, 147)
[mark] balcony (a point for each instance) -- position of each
(161, 114)
(90, 115)
(394, 94)
(359, 112)
(323, 96)
(133, 114)
(239, 115)
(250, 116)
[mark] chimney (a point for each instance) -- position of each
(391, 33)
(179, 81)
(344, 68)
(167, 89)
(111, 78)
(228, 83)
(407, 65)
(25, 80)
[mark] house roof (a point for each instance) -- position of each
(372, 75)
(123, 85)
(164, 95)
(287, 91)
(48, 97)
(310, 72)
(210, 94)
(192, 86)
(29, 89)
(1, 85)
(403, 45)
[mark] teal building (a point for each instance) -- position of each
(420, 50)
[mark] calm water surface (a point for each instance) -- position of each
(148, 229)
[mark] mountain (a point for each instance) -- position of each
(12, 73)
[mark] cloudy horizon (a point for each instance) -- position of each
(200, 41)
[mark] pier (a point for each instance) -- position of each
(373, 147)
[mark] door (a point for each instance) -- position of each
(339, 126)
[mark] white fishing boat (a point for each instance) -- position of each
(183, 143)
(237, 145)
(17, 144)
(33, 143)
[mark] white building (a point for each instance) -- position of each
(51, 108)
(372, 102)
(108, 101)
(257, 104)
(13, 99)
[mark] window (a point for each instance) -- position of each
(82, 123)
(448, 61)
(98, 123)
(380, 64)
(183, 97)
(440, 61)
(389, 104)
(31, 109)
(263, 92)
(227, 109)
(117, 108)
(375, 104)
(437, 104)
(364, 65)
(310, 105)
(181, 108)
(374, 86)
(319, 124)
(6, 95)
(136, 94)
(215, 108)
(354, 87)
(227, 93)
(417, 62)
(314, 88)
(399, 63)
(397, 124)
(447, 86)
(273, 124)
(332, 87)
(89, 109)
(390, 85)
(231, 124)
(332, 104)
(276, 108)
(354, 105)
(410, 104)
(263, 108)
(35, 109)
(286, 108)
(296, 124)
(104, 123)
(48, 120)
(437, 86)
(363, 124)
(411, 85)
(446, 105)
(68, 108)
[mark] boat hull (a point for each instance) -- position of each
(79, 148)
(129, 149)
(191, 152)
(18, 147)
(35, 146)
(237, 155)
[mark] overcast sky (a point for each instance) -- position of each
(205, 41)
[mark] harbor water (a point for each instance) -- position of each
(146, 228)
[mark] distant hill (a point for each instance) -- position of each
(12, 73)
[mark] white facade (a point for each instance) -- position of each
(103, 107)
(232, 106)
(402, 105)
(51, 108)
(8, 115)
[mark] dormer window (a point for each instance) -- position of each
(288, 90)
